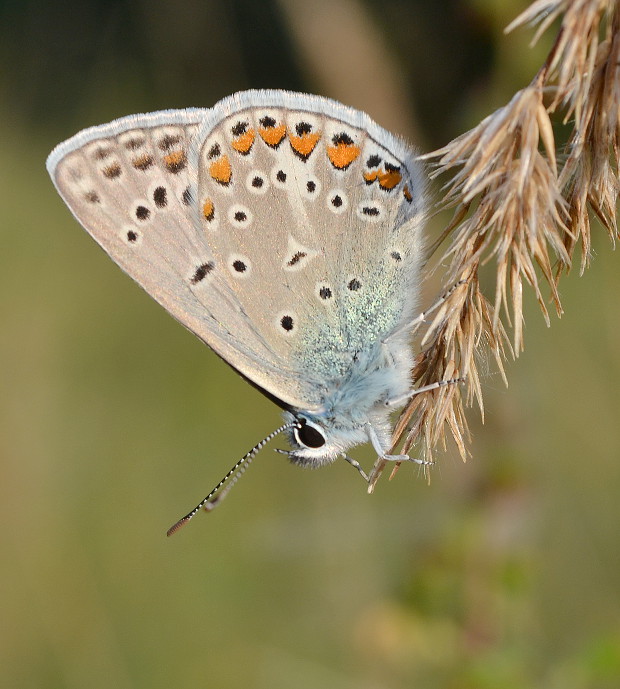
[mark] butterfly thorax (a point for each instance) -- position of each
(354, 404)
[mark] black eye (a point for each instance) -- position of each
(309, 436)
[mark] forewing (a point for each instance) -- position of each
(131, 184)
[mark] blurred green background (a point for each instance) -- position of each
(505, 571)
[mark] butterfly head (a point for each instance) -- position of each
(317, 441)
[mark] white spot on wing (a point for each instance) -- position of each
(337, 201)
(257, 182)
(240, 216)
(297, 255)
(286, 323)
(370, 211)
(239, 266)
(310, 187)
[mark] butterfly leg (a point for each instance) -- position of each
(358, 466)
(399, 401)
(376, 443)
(421, 318)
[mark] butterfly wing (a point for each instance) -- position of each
(279, 228)
(131, 184)
(314, 212)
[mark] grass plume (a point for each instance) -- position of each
(522, 203)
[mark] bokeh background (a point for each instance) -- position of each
(505, 571)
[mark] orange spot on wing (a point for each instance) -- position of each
(407, 194)
(304, 145)
(143, 162)
(112, 171)
(342, 155)
(208, 210)
(175, 161)
(244, 142)
(390, 178)
(371, 176)
(220, 170)
(272, 136)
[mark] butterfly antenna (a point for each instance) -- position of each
(219, 493)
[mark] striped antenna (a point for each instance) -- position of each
(219, 493)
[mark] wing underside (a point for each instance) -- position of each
(274, 228)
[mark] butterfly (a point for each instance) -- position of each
(286, 231)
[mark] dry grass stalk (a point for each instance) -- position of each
(584, 65)
(518, 206)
